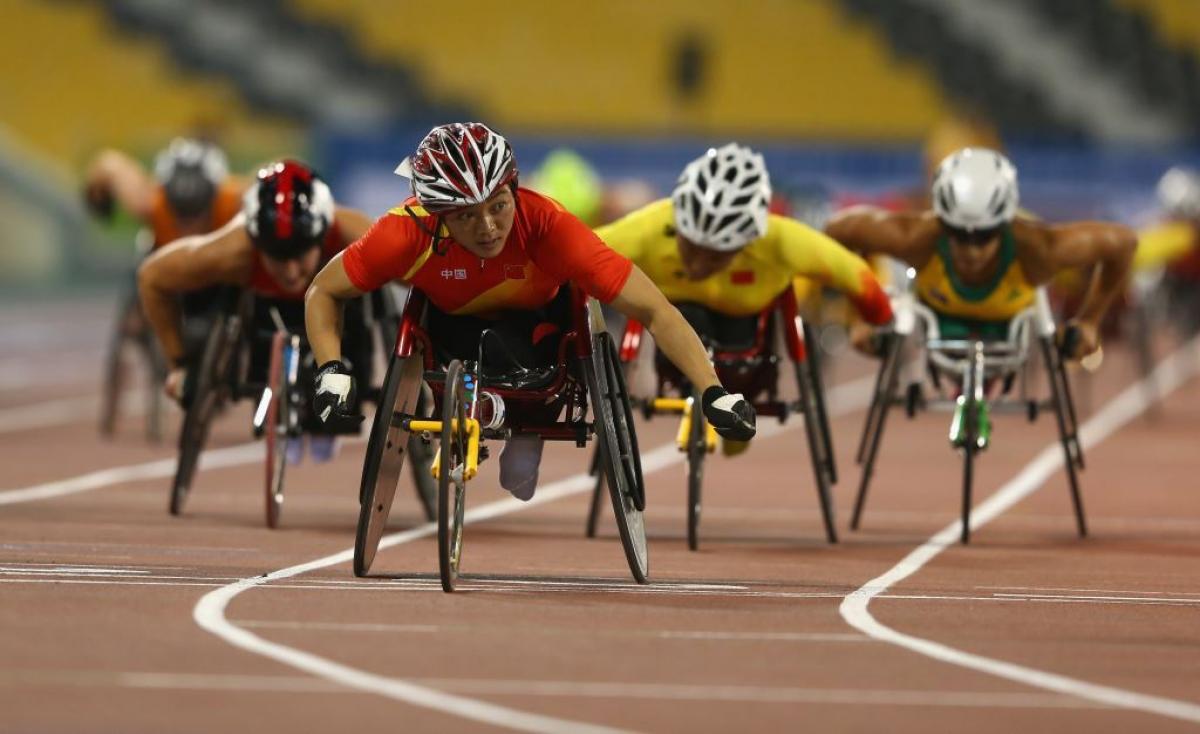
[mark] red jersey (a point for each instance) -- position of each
(547, 247)
(262, 284)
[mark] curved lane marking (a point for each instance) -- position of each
(1169, 375)
(209, 612)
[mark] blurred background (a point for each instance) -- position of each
(851, 100)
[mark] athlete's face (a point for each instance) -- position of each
(975, 262)
(483, 229)
(296, 274)
(701, 262)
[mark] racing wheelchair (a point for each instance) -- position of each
(753, 370)
(581, 395)
(132, 343)
(972, 367)
(246, 333)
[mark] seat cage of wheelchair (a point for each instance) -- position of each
(530, 409)
(1005, 360)
(760, 356)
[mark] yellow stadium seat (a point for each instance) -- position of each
(785, 67)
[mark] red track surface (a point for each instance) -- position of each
(98, 588)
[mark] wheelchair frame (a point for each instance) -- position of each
(697, 439)
(972, 363)
(586, 378)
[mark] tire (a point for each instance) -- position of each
(613, 418)
(384, 459)
(211, 391)
(696, 451)
(451, 488)
(281, 382)
(818, 450)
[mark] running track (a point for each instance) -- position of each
(116, 617)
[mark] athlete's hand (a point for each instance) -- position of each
(333, 398)
(173, 385)
(1079, 339)
(866, 339)
(730, 415)
(99, 200)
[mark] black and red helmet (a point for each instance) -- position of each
(288, 209)
(457, 165)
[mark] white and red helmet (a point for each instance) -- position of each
(457, 165)
(288, 209)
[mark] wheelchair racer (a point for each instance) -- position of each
(288, 227)
(720, 257)
(190, 192)
(489, 254)
(978, 262)
(1171, 247)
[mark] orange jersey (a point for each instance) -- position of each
(226, 204)
(547, 247)
(262, 284)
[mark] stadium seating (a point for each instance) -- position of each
(95, 88)
(783, 68)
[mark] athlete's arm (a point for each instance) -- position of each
(323, 309)
(642, 300)
(114, 174)
(810, 254)
(352, 224)
(1105, 247)
(188, 264)
(868, 230)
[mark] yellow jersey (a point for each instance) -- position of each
(1009, 292)
(1163, 244)
(758, 274)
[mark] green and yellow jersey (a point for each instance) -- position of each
(985, 309)
(758, 274)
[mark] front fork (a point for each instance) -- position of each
(964, 427)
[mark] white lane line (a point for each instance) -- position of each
(335, 626)
(1071, 590)
(70, 571)
(733, 694)
(247, 453)
(761, 636)
(756, 694)
(1170, 374)
(209, 612)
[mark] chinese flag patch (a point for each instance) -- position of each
(742, 277)
(514, 272)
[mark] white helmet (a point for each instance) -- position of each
(721, 198)
(975, 189)
(1179, 193)
(190, 172)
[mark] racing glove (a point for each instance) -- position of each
(730, 415)
(333, 398)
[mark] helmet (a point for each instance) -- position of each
(190, 171)
(975, 189)
(288, 209)
(457, 165)
(1179, 193)
(721, 198)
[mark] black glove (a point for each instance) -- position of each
(333, 397)
(730, 415)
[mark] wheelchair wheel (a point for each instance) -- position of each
(211, 391)
(696, 451)
(131, 340)
(421, 459)
(613, 417)
(593, 518)
(281, 382)
(452, 485)
(384, 459)
(818, 449)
